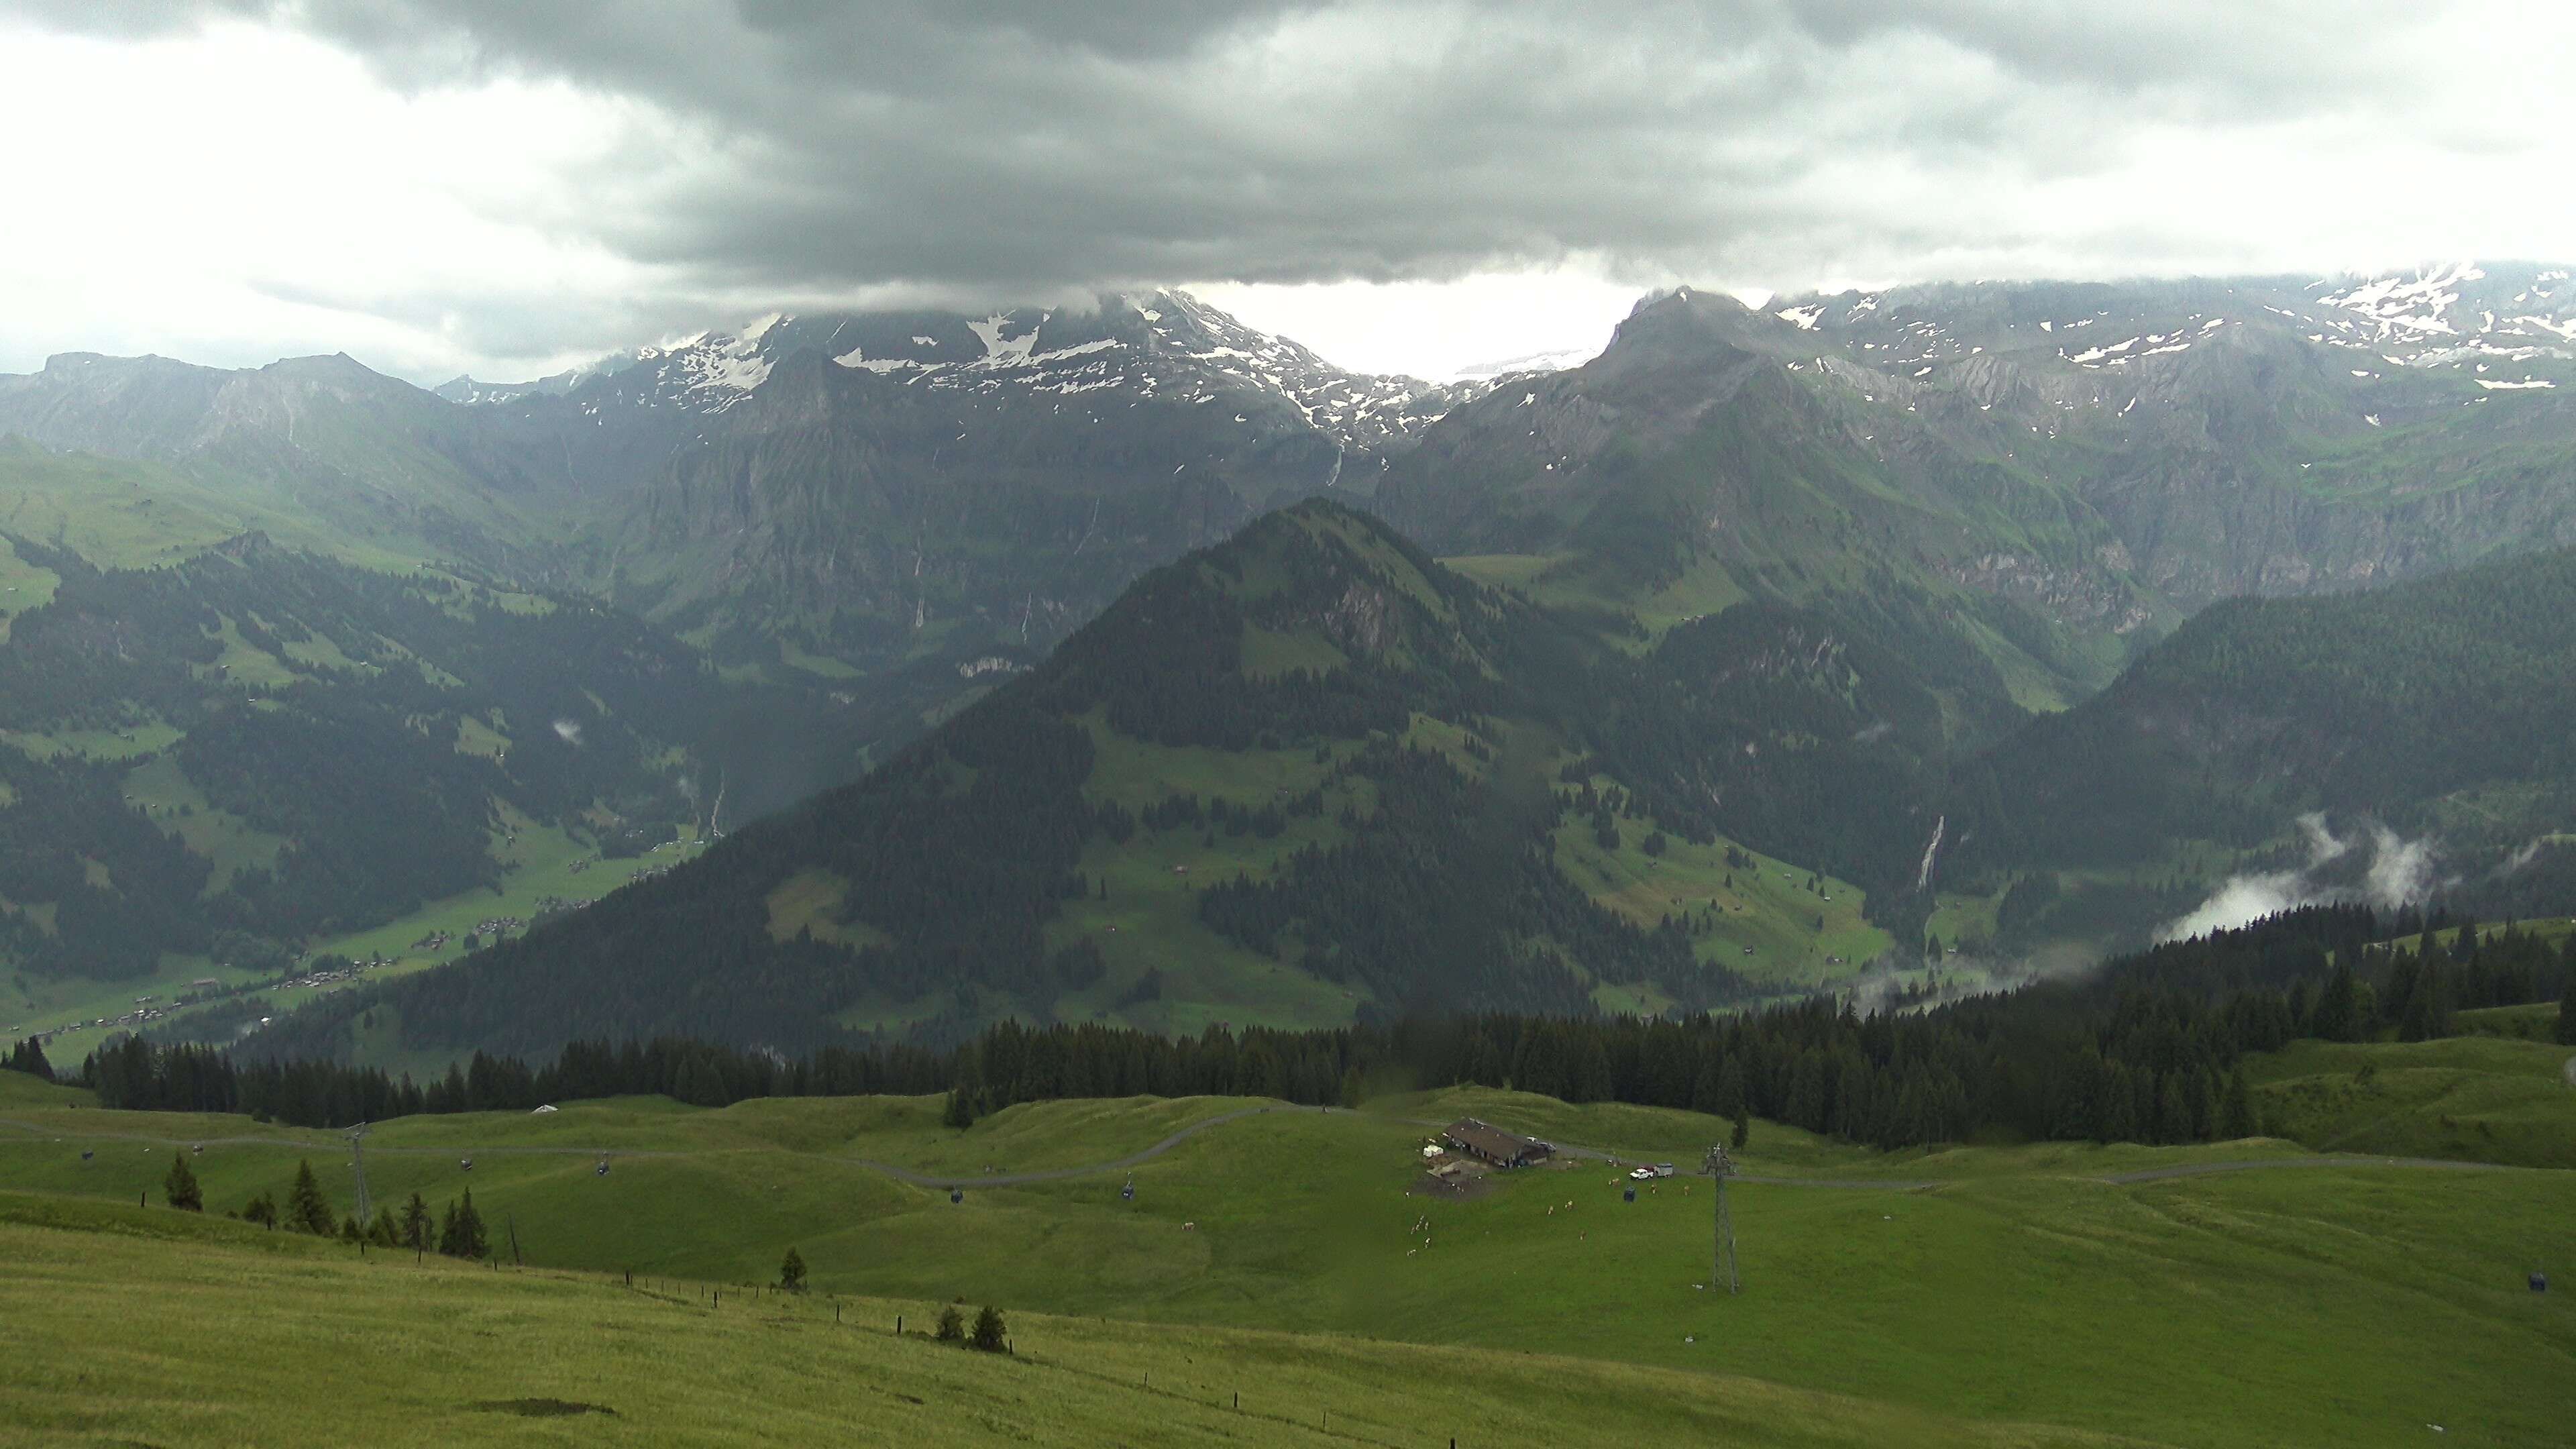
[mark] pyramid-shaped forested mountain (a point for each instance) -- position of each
(1304, 775)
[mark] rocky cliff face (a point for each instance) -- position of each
(2256, 435)
(892, 486)
(880, 487)
(2101, 459)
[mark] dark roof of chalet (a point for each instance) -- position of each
(1487, 1140)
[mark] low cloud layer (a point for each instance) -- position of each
(694, 154)
(2374, 865)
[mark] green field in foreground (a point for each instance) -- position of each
(224, 1334)
(2340, 1305)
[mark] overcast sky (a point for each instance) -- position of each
(505, 186)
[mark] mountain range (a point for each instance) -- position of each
(1806, 595)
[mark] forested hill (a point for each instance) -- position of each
(208, 765)
(2442, 709)
(1306, 776)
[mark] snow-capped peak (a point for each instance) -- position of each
(1166, 347)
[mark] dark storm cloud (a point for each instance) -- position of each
(1033, 147)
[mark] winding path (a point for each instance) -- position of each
(952, 1180)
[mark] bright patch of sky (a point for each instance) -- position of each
(248, 193)
(1436, 330)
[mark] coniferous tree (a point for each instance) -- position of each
(952, 1325)
(262, 1210)
(306, 1210)
(2425, 1017)
(1731, 1090)
(2173, 1110)
(791, 1272)
(2566, 1032)
(415, 1224)
(2236, 1112)
(2338, 1010)
(449, 1243)
(180, 1187)
(1705, 1088)
(1743, 1132)
(28, 1056)
(960, 1111)
(463, 1235)
(990, 1334)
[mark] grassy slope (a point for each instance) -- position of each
(125, 513)
(118, 513)
(1567, 580)
(2535, 1022)
(23, 586)
(2476, 1097)
(2003, 1295)
(1765, 927)
(221, 1325)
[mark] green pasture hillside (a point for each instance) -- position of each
(216, 1326)
(1900, 1281)
(133, 513)
(245, 752)
(2475, 1098)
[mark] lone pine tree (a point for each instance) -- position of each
(180, 1187)
(990, 1333)
(305, 1209)
(460, 1231)
(791, 1272)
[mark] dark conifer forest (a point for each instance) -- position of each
(2147, 1049)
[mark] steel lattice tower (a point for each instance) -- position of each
(1722, 1267)
(358, 1169)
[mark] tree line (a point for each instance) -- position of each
(2148, 1049)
